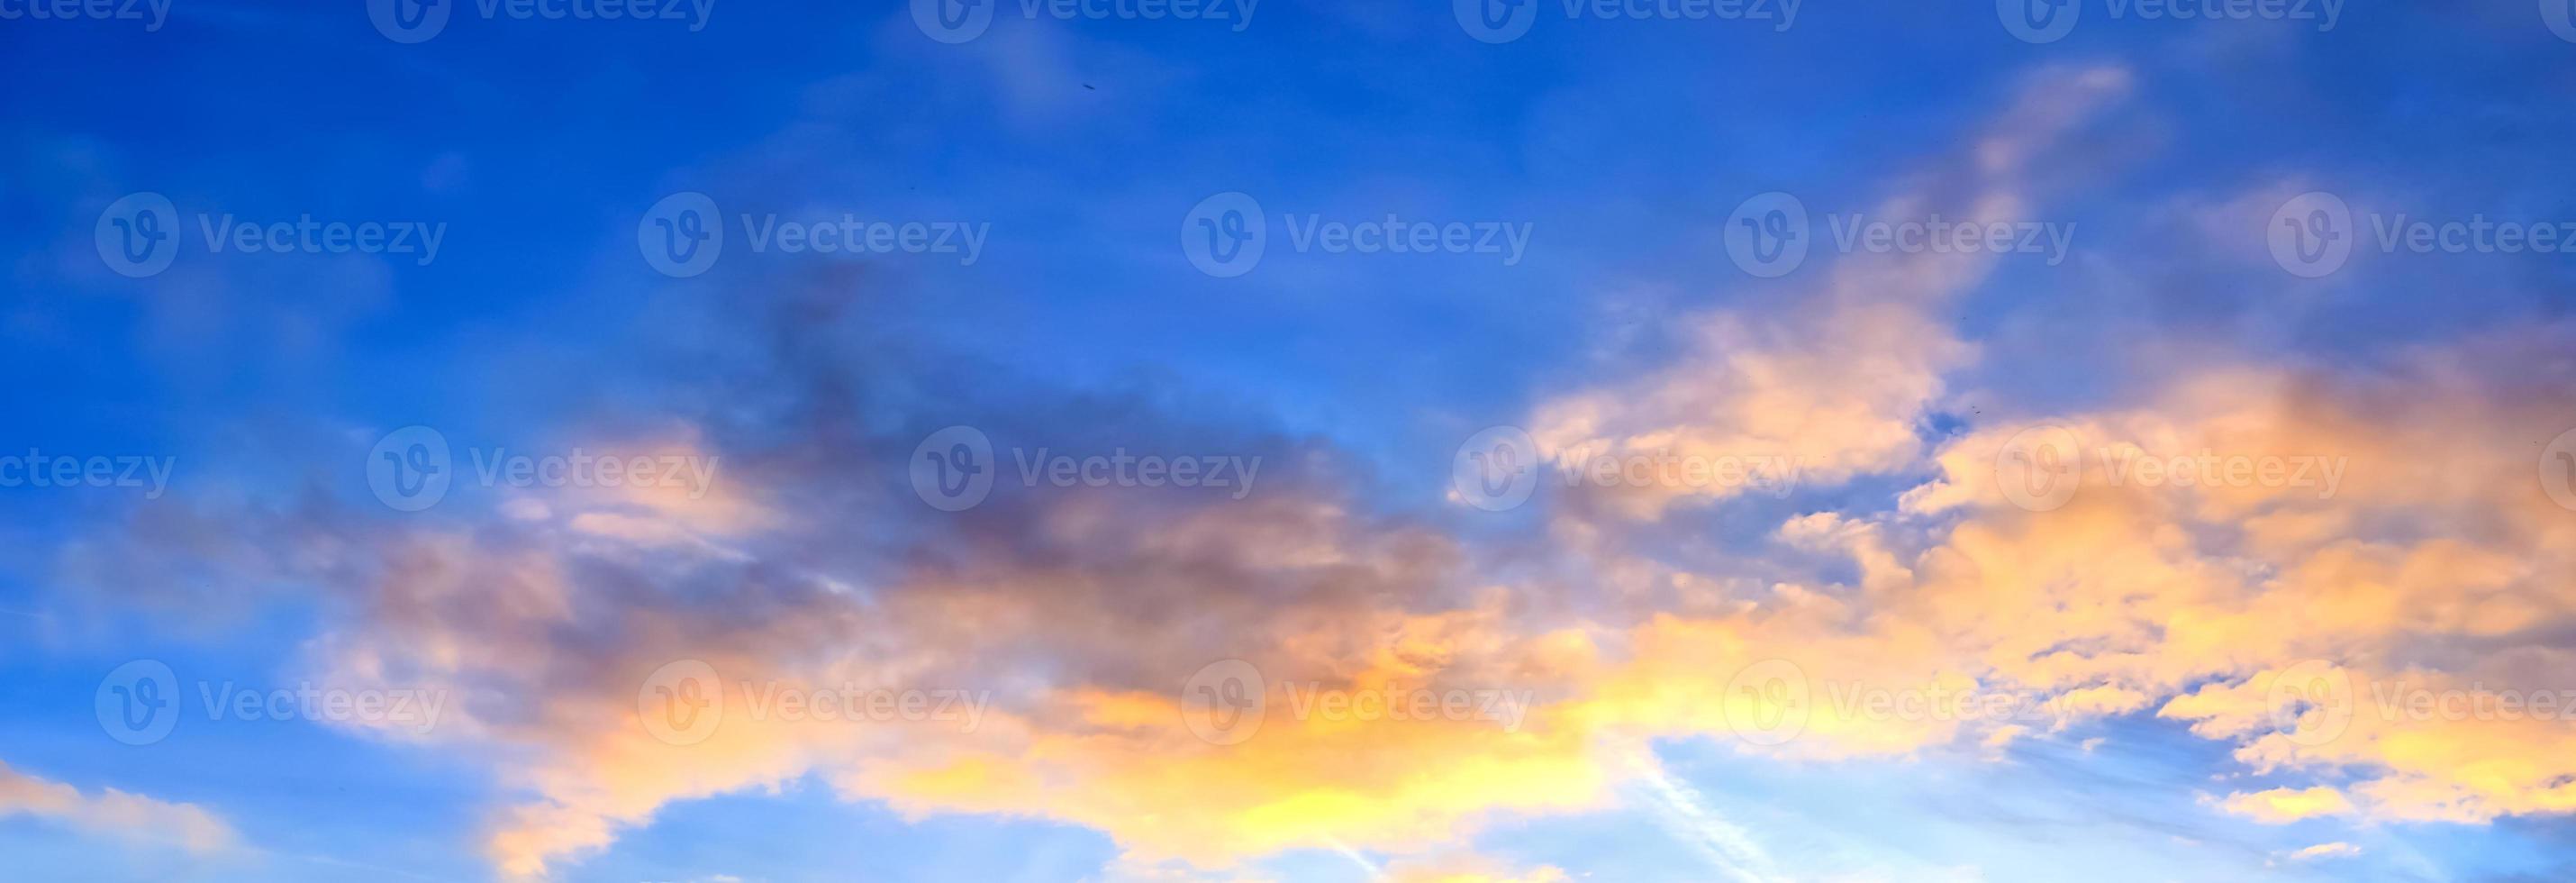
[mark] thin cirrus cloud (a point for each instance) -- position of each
(115, 814)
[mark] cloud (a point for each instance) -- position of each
(1838, 384)
(115, 813)
(1894, 629)
(2281, 806)
(1469, 870)
(2323, 851)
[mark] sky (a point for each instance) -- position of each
(1127, 440)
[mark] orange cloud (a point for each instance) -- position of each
(115, 813)
(2281, 806)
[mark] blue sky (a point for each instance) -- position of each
(1068, 158)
